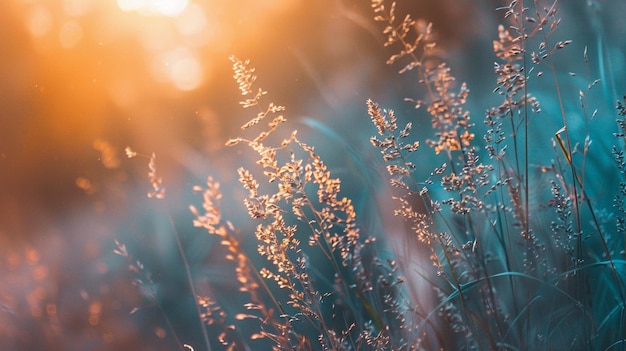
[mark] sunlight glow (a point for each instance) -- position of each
(186, 73)
(77, 8)
(195, 27)
(179, 67)
(39, 21)
(169, 8)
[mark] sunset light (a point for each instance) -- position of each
(169, 8)
(355, 175)
(180, 67)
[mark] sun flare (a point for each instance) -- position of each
(169, 8)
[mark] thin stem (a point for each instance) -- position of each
(205, 334)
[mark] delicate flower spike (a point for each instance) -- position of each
(158, 191)
(129, 152)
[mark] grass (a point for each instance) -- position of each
(523, 254)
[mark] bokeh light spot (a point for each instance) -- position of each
(39, 21)
(186, 73)
(129, 5)
(77, 7)
(180, 67)
(170, 8)
(195, 27)
(70, 35)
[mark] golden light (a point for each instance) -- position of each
(180, 67)
(70, 34)
(169, 8)
(39, 21)
(195, 27)
(77, 8)
(186, 73)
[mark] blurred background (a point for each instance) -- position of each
(80, 80)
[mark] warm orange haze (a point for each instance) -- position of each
(82, 79)
(248, 174)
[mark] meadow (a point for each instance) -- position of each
(483, 211)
